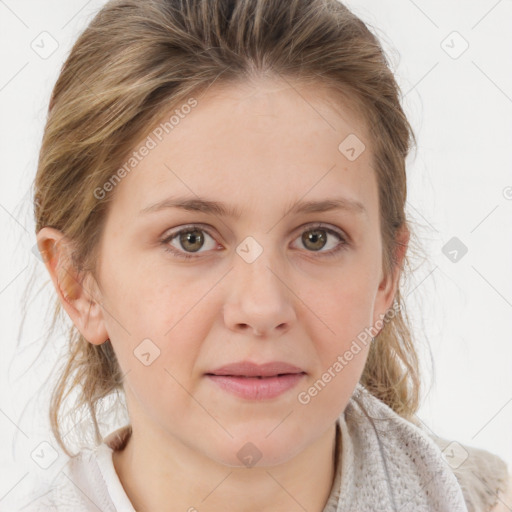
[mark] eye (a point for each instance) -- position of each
(191, 239)
(316, 237)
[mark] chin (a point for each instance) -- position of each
(256, 450)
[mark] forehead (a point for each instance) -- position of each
(253, 145)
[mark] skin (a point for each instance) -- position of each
(260, 147)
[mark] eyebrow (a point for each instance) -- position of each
(199, 204)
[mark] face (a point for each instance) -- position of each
(185, 291)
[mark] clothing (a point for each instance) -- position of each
(383, 463)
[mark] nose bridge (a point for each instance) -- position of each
(261, 299)
(258, 265)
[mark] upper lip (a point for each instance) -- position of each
(250, 369)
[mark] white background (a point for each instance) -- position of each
(460, 185)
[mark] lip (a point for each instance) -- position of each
(257, 382)
(250, 369)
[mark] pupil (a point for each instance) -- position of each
(191, 237)
(315, 237)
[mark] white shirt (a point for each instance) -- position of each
(87, 482)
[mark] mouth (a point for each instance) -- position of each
(251, 381)
(250, 369)
(254, 376)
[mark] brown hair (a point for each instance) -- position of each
(135, 60)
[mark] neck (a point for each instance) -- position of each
(170, 476)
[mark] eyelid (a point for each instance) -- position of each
(172, 233)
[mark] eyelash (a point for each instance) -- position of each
(332, 253)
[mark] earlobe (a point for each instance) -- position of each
(76, 295)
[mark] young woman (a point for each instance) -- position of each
(220, 205)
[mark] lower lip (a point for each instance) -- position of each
(253, 388)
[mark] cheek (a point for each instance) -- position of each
(159, 326)
(344, 304)
(159, 392)
(153, 300)
(341, 352)
(343, 335)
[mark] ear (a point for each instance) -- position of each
(389, 284)
(79, 297)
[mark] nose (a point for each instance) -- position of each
(261, 301)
